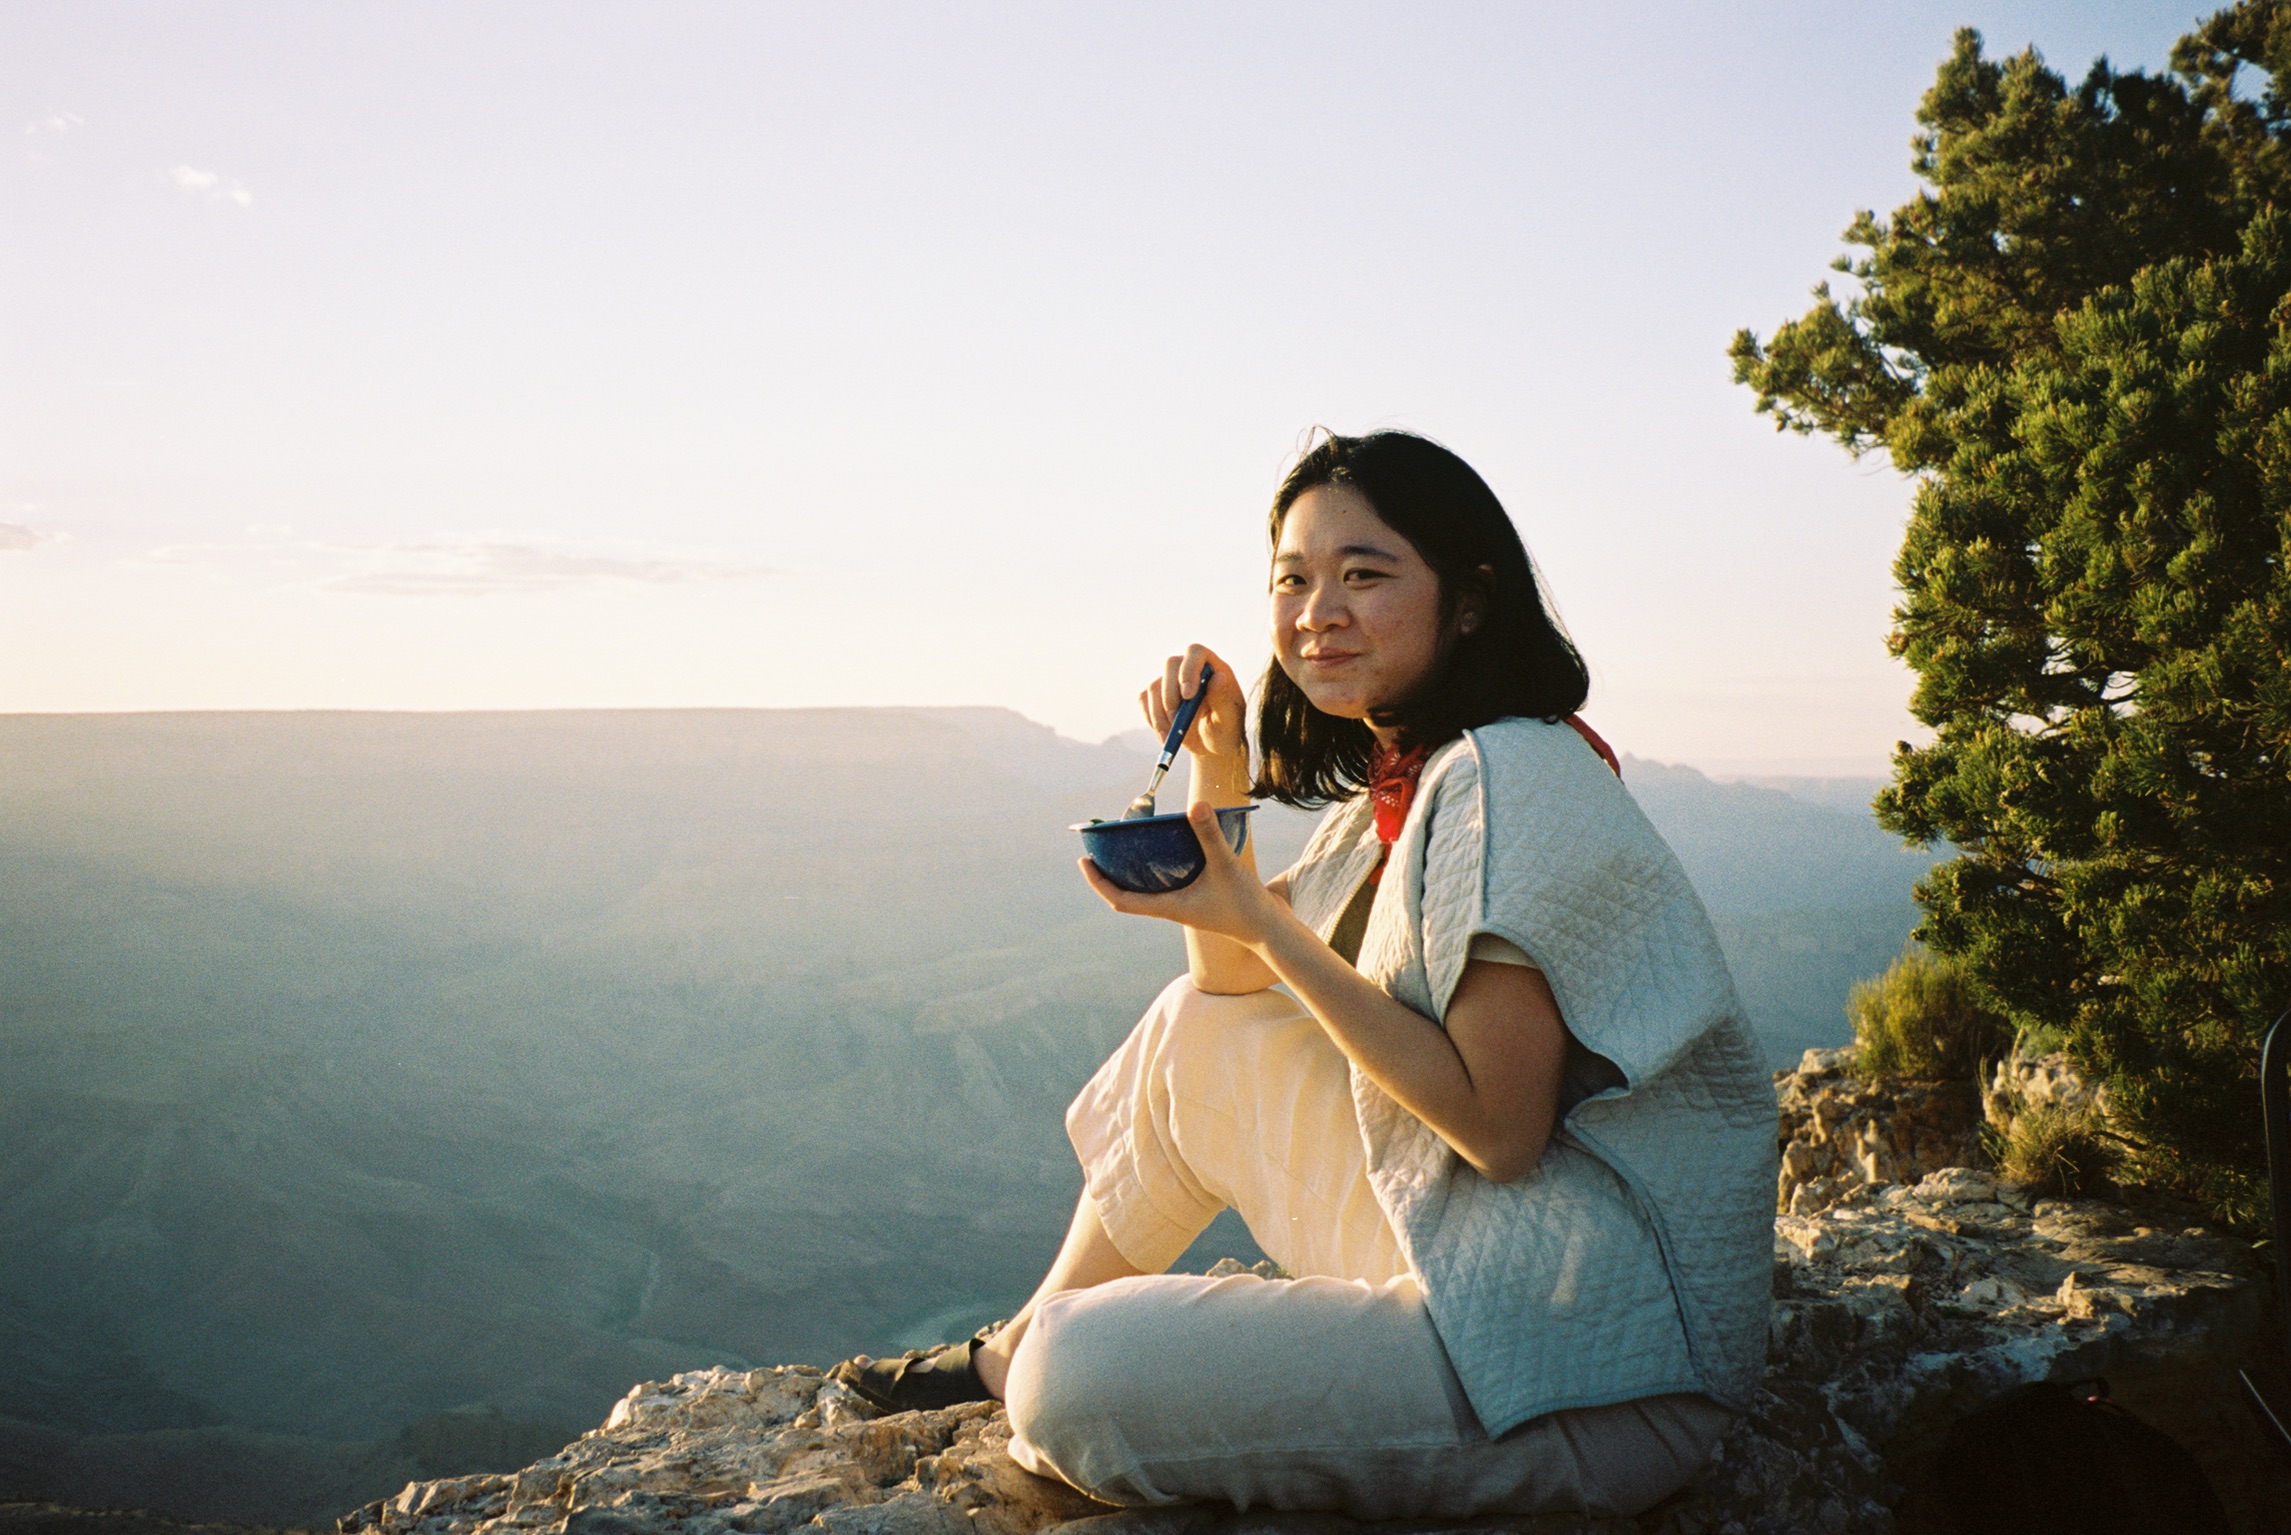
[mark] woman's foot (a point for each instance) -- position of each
(979, 1370)
(926, 1379)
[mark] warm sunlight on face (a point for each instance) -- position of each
(1356, 611)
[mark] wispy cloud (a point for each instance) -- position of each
(477, 570)
(14, 537)
(484, 567)
(214, 188)
(54, 123)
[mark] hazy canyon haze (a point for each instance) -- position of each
(384, 1094)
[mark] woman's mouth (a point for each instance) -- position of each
(1328, 657)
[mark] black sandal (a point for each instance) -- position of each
(922, 1381)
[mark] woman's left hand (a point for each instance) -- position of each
(1227, 898)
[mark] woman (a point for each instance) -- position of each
(1505, 1125)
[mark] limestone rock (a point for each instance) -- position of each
(1897, 1308)
(1839, 1133)
(2039, 1081)
(761, 1451)
(1908, 1306)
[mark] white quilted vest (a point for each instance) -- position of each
(1636, 1258)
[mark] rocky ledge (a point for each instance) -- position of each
(1898, 1306)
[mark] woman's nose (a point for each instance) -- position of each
(1322, 609)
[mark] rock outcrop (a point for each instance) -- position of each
(2040, 1081)
(1840, 1133)
(761, 1451)
(1898, 1306)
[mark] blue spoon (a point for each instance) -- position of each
(1142, 806)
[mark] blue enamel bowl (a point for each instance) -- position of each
(1159, 852)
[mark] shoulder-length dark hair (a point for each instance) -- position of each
(1517, 661)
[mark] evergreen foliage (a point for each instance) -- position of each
(2077, 339)
(1925, 1019)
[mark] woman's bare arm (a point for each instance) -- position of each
(1487, 1084)
(1215, 962)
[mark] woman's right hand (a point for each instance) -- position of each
(1219, 738)
(1219, 744)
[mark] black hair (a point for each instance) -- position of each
(1517, 661)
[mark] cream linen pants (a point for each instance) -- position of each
(1326, 1391)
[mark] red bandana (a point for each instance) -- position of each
(1392, 779)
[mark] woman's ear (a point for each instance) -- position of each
(1472, 601)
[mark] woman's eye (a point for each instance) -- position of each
(1358, 575)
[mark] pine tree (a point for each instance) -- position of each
(2077, 341)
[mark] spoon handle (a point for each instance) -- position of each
(1184, 722)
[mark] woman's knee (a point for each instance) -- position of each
(1185, 1010)
(1067, 1390)
(1201, 1035)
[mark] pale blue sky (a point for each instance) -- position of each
(454, 355)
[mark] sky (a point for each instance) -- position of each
(483, 355)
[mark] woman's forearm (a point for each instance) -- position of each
(1485, 1077)
(1501, 1018)
(1399, 1049)
(1214, 962)
(1220, 966)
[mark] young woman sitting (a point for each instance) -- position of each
(1503, 1121)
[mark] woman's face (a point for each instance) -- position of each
(1356, 610)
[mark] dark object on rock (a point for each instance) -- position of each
(2050, 1458)
(926, 1380)
(2272, 1407)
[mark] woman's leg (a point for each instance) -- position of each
(1231, 1101)
(1213, 1101)
(1088, 1257)
(1331, 1390)
(1312, 1394)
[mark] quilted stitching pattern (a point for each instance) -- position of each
(1635, 1259)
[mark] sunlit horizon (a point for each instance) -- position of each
(519, 356)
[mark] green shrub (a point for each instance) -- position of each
(2057, 1151)
(1924, 1019)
